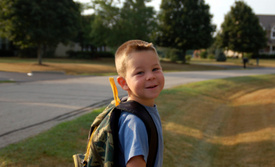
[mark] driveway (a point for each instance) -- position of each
(33, 105)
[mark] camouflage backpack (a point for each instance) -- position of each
(102, 148)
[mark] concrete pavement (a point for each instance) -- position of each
(28, 108)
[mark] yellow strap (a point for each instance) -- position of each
(88, 147)
(114, 88)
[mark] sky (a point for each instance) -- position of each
(219, 8)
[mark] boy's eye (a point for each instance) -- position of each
(139, 73)
(155, 69)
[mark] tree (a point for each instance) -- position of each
(185, 24)
(84, 38)
(113, 25)
(39, 23)
(137, 21)
(241, 30)
(106, 17)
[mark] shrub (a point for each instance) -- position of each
(172, 55)
(203, 54)
(211, 56)
(88, 54)
(221, 57)
(28, 53)
(7, 53)
(188, 58)
(263, 56)
(104, 54)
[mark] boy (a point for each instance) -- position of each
(140, 74)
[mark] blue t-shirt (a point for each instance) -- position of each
(133, 137)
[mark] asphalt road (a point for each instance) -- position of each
(38, 102)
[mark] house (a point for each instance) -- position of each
(268, 24)
(61, 49)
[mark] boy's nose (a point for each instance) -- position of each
(150, 76)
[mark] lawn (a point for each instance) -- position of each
(238, 62)
(104, 66)
(222, 122)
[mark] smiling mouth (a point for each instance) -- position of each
(151, 87)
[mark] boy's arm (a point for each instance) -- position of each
(136, 161)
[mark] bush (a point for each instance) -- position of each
(161, 54)
(104, 54)
(263, 56)
(221, 57)
(172, 55)
(188, 58)
(88, 54)
(27, 53)
(203, 54)
(7, 53)
(211, 56)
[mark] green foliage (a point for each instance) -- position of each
(113, 25)
(29, 52)
(188, 58)
(84, 38)
(211, 56)
(39, 23)
(203, 54)
(137, 20)
(185, 24)
(219, 55)
(241, 31)
(170, 53)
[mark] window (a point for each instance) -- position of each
(273, 33)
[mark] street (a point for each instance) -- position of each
(31, 106)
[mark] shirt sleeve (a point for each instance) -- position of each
(133, 137)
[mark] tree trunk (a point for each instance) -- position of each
(182, 56)
(39, 54)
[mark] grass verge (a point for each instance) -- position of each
(6, 81)
(238, 62)
(223, 122)
(51, 148)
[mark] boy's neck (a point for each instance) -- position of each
(149, 103)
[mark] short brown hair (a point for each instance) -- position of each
(129, 47)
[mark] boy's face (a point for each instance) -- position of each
(144, 77)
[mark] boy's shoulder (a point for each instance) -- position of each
(130, 121)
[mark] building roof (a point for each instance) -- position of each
(267, 21)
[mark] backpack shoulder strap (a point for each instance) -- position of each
(141, 112)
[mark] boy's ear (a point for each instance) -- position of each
(122, 82)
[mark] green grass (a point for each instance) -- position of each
(201, 119)
(52, 147)
(238, 62)
(6, 81)
(206, 123)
